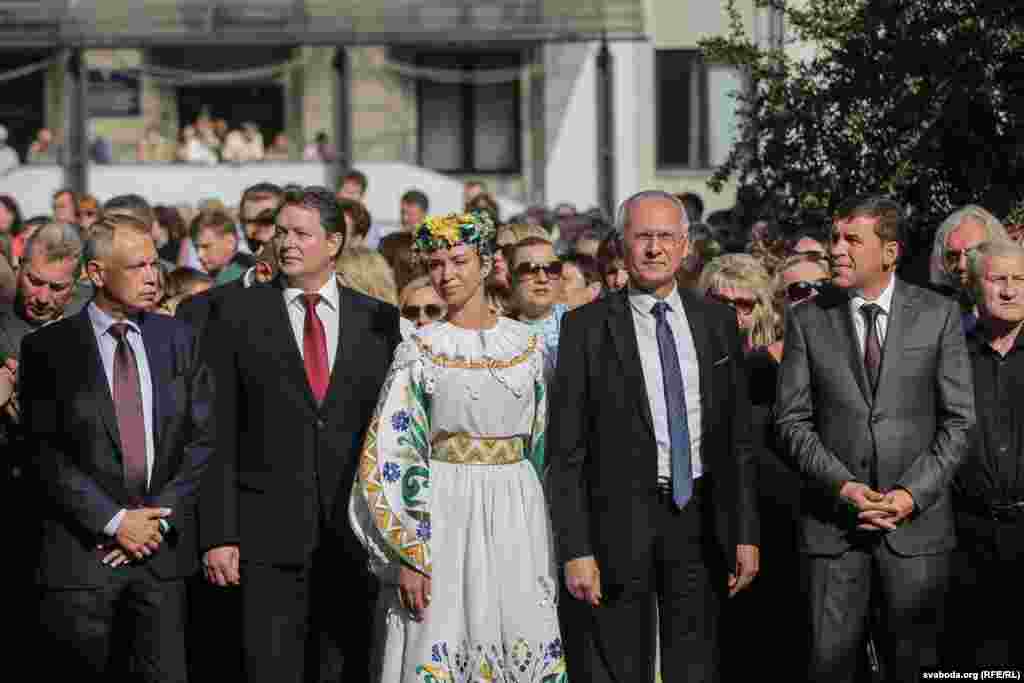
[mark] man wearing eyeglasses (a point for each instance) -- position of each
(873, 406)
(653, 493)
(535, 276)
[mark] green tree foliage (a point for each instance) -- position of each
(919, 99)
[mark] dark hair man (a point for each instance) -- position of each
(874, 406)
(414, 207)
(118, 415)
(256, 213)
(353, 186)
(300, 364)
(656, 372)
(65, 206)
(216, 240)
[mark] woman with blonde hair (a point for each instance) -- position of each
(367, 272)
(743, 283)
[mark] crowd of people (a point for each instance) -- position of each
(206, 140)
(277, 439)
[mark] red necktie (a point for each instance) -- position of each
(314, 348)
(130, 420)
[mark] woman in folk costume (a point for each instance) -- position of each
(448, 500)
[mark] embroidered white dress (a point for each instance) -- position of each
(448, 484)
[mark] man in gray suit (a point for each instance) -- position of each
(874, 405)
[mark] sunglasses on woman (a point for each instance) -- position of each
(803, 290)
(530, 269)
(432, 311)
(744, 306)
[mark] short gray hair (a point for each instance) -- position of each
(978, 257)
(101, 235)
(622, 216)
(59, 241)
(994, 230)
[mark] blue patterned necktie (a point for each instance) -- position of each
(675, 403)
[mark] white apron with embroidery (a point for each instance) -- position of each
(480, 531)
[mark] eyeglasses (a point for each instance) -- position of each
(530, 269)
(432, 311)
(803, 290)
(744, 306)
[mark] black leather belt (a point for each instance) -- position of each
(663, 489)
(999, 511)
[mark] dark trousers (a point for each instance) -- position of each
(307, 624)
(847, 592)
(684, 572)
(131, 628)
(985, 598)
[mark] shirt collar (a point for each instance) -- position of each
(643, 301)
(978, 340)
(248, 277)
(102, 321)
(884, 300)
(329, 293)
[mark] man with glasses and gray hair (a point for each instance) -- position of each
(654, 373)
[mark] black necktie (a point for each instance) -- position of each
(872, 347)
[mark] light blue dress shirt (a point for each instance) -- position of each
(101, 323)
(641, 304)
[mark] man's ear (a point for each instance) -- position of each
(94, 269)
(890, 255)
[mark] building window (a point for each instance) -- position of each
(468, 124)
(696, 110)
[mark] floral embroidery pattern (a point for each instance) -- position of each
(400, 421)
(392, 472)
(423, 530)
(522, 662)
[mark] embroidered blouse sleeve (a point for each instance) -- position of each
(389, 508)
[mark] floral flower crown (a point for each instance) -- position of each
(443, 232)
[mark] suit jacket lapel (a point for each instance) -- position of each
(96, 376)
(901, 315)
(280, 331)
(846, 337)
(701, 334)
(623, 333)
(161, 375)
(350, 322)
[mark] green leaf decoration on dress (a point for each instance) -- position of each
(414, 482)
(539, 429)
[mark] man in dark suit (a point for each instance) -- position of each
(874, 404)
(653, 495)
(302, 362)
(44, 286)
(117, 414)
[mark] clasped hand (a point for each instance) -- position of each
(138, 536)
(9, 388)
(878, 511)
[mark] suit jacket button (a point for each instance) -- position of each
(876, 419)
(320, 424)
(864, 464)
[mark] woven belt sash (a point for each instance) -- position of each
(465, 449)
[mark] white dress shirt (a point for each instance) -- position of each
(101, 323)
(647, 340)
(326, 309)
(884, 300)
